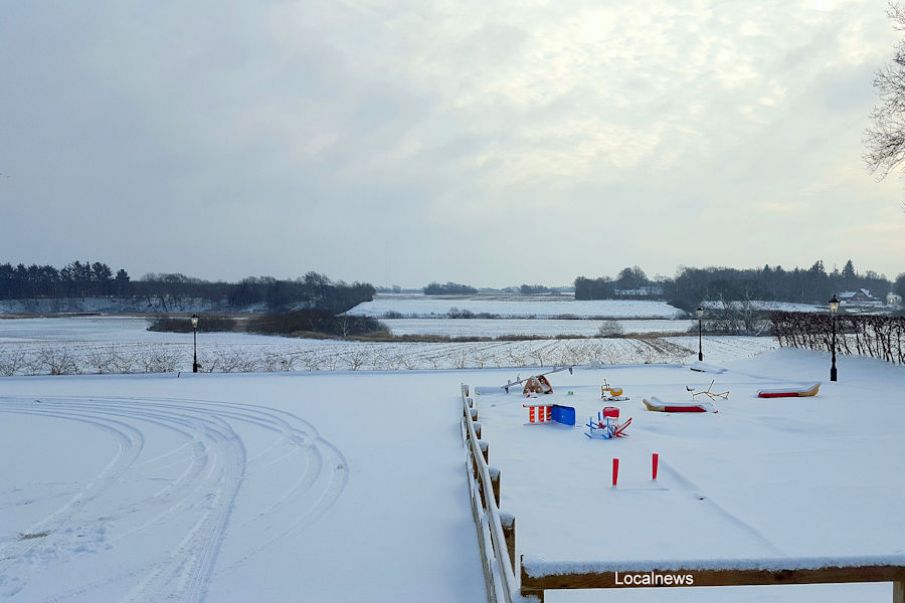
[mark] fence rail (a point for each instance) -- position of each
(496, 530)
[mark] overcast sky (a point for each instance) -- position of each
(487, 142)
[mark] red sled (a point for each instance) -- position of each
(790, 392)
(658, 405)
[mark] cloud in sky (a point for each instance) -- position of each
(487, 142)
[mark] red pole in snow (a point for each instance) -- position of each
(655, 465)
(615, 471)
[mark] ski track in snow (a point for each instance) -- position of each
(205, 493)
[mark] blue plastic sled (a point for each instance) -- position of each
(563, 414)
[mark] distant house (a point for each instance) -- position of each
(893, 300)
(861, 296)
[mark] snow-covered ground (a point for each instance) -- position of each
(234, 488)
(351, 486)
(549, 327)
(772, 480)
(120, 345)
(427, 306)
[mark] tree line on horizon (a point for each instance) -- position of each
(771, 283)
(96, 279)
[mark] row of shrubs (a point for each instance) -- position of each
(298, 322)
(206, 324)
(316, 321)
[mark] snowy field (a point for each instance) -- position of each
(351, 486)
(234, 488)
(549, 327)
(122, 345)
(771, 480)
(426, 306)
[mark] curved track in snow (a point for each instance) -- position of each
(187, 478)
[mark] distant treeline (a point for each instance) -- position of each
(449, 288)
(693, 285)
(81, 280)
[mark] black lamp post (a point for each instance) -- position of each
(195, 343)
(834, 307)
(700, 312)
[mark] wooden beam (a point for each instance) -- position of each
(485, 450)
(507, 520)
(477, 429)
(711, 577)
(898, 591)
(495, 483)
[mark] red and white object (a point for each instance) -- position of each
(538, 413)
(658, 405)
(790, 392)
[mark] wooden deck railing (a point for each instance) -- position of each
(496, 530)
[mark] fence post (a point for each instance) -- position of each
(474, 414)
(898, 592)
(508, 522)
(477, 429)
(485, 450)
(495, 484)
(527, 592)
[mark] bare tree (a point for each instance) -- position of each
(885, 138)
(58, 361)
(356, 357)
(159, 360)
(11, 360)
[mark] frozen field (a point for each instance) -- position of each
(549, 327)
(770, 482)
(122, 345)
(424, 306)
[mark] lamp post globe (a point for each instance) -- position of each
(194, 343)
(834, 308)
(700, 313)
